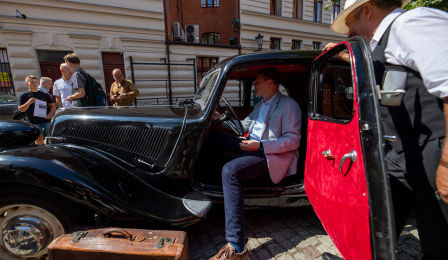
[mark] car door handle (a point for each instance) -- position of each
(351, 156)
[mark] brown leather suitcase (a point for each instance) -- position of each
(87, 243)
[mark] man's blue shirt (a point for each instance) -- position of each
(256, 133)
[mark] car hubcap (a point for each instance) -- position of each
(26, 235)
(26, 231)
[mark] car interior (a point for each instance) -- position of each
(334, 85)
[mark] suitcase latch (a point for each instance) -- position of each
(164, 241)
(76, 236)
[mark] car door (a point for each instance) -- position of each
(345, 176)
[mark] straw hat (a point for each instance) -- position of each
(338, 25)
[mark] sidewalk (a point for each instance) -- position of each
(281, 234)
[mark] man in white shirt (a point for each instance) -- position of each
(414, 42)
(63, 87)
(45, 85)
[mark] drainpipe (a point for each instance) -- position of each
(239, 29)
(170, 94)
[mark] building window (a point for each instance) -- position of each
(6, 84)
(275, 44)
(211, 38)
(298, 9)
(209, 3)
(203, 65)
(336, 10)
(317, 14)
(296, 45)
(276, 7)
(317, 45)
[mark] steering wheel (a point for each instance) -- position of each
(231, 117)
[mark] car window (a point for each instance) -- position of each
(206, 88)
(334, 93)
(234, 93)
(8, 98)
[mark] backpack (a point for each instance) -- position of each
(95, 95)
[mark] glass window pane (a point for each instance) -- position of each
(52, 56)
(335, 93)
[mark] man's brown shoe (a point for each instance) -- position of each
(228, 252)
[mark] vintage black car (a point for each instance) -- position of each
(132, 163)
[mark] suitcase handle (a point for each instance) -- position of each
(126, 234)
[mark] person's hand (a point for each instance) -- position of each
(31, 100)
(249, 145)
(124, 95)
(69, 99)
(328, 46)
(114, 97)
(340, 55)
(442, 182)
(216, 116)
(49, 116)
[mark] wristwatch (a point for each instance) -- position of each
(261, 149)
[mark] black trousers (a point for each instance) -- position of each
(412, 178)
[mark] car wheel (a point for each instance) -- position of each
(29, 221)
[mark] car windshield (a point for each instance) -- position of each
(206, 88)
(8, 98)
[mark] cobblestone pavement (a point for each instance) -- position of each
(281, 234)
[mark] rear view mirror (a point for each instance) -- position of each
(394, 83)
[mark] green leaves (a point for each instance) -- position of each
(439, 4)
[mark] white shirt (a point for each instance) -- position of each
(418, 40)
(63, 89)
(44, 90)
(261, 118)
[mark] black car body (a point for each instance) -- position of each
(9, 108)
(139, 162)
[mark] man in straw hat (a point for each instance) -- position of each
(414, 42)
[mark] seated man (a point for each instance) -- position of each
(271, 147)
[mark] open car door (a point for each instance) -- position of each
(345, 176)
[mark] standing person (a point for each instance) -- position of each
(271, 148)
(63, 87)
(45, 85)
(122, 91)
(406, 41)
(78, 81)
(38, 106)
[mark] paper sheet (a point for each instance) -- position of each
(40, 108)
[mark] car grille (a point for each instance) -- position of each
(102, 173)
(147, 142)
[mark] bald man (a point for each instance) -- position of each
(122, 91)
(62, 87)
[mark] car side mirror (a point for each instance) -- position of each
(394, 83)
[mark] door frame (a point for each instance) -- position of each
(382, 220)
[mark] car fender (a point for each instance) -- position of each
(55, 169)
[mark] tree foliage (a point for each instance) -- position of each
(439, 4)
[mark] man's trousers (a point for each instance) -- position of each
(412, 180)
(246, 166)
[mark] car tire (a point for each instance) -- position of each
(56, 213)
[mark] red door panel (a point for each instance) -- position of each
(111, 61)
(340, 199)
(52, 71)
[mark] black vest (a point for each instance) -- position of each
(420, 116)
